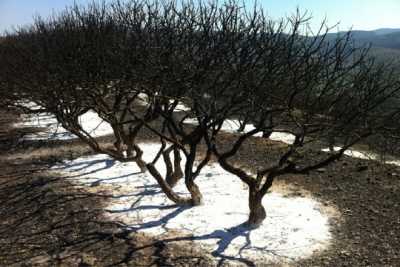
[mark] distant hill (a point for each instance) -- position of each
(384, 31)
(383, 38)
(385, 42)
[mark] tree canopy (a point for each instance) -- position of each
(139, 61)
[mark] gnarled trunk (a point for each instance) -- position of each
(174, 197)
(257, 211)
(141, 164)
(131, 146)
(196, 196)
(178, 173)
(139, 158)
(174, 172)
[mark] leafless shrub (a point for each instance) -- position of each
(138, 61)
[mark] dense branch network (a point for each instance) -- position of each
(183, 70)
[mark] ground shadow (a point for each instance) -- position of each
(223, 237)
(47, 221)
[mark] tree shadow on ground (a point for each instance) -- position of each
(65, 223)
(47, 220)
(224, 237)
(372, 221)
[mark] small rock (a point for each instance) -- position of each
(321, 170)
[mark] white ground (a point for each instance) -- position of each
(96, 126)
(363, 155)
(90, 121)
(294, 228)
(93, 124)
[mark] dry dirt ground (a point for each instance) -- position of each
(46, 221)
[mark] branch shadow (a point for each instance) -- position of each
(86, 164)
(46, 220)
(65, 167)
(224, 237)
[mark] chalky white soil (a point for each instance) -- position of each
(363, 155)
(52, 130)
(97, 127)
(295, 227)
(90, 121)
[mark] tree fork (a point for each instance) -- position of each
(166, 188)
(196, 196)
(174, 173)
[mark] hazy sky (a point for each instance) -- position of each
(359, 14)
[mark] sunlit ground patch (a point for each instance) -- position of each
(97, 127)
(295, 227)
(52, 130)
(363, 155)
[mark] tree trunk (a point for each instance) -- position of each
(197, 197)
(141, 164)
(174, 173)
(331, 143)
(242, 125)
(194, 190)
(166, 188)
(139, 160)
(257, 211)
(266, 134)
(178, 173)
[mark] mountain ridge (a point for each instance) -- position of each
(380, 38)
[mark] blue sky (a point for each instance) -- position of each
(359, 14)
